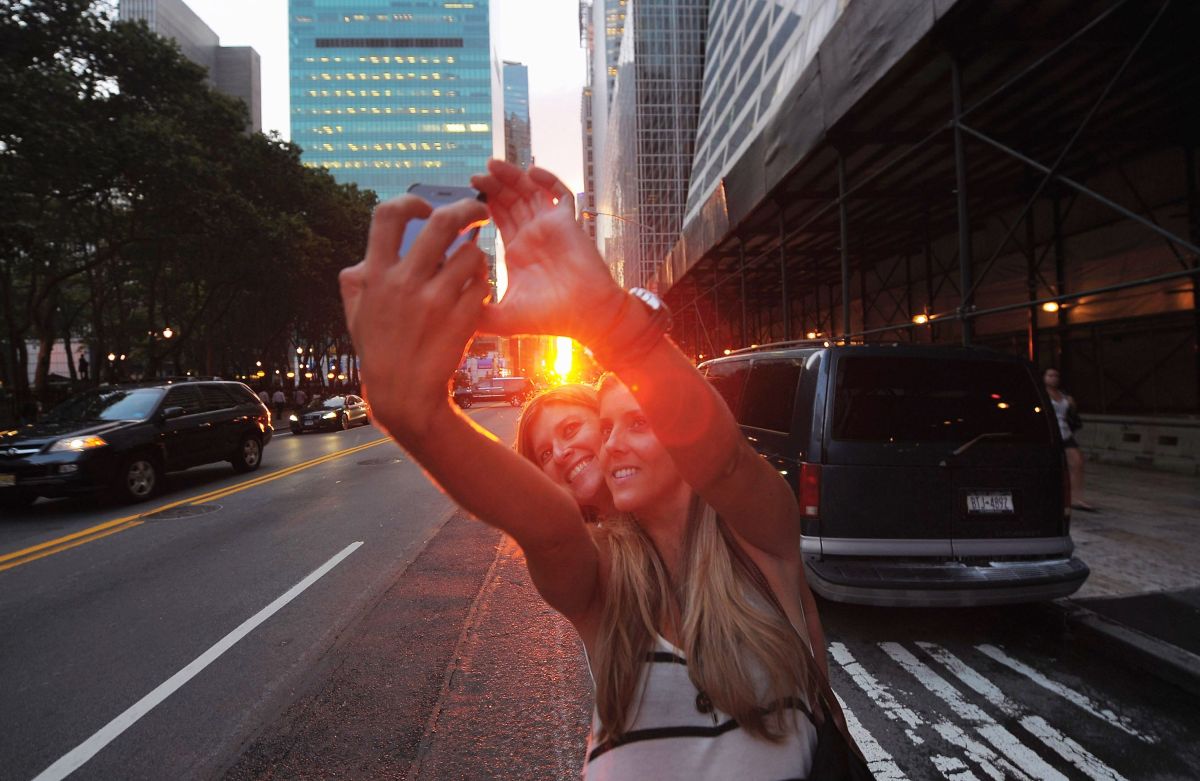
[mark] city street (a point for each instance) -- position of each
(421, 651)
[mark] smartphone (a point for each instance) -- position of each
(440, 195)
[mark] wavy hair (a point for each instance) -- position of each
(578, 394)
(727, 634)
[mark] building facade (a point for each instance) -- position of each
(518, 141)
(386, 94)
(233, 70)
(871, 172)
(754, 47)
(645, 159)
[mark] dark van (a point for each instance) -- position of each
(925, 475)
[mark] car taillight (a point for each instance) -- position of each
(810, 490)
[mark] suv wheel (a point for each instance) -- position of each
(344, 422)
(137, 478)
(516, 400)
(16, 499)
(464, 400)
(248, 455)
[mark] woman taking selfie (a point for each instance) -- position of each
(690, 600)
(559, 431)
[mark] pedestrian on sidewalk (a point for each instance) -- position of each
(691, 600)
(279, 400)
(301, 398)
(1068, 423)
(559, 431)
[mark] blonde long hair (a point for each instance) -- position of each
(726, 635)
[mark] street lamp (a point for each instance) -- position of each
(167, 332)
(299, 351)
(594, 213)
(258, 364)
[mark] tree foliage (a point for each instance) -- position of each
(132, 198)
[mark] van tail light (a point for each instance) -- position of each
(1066, 490)
(810, 490)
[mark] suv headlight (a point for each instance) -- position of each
(77, 444)
(329, 415)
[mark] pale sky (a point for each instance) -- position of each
(543, 34)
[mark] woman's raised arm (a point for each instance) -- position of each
(559, 284)
(411, 319)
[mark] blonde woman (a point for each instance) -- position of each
(692, 604)
(559, 430)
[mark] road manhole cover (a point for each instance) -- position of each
(380, 461)
(185, 511)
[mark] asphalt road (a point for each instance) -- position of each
(88, 631)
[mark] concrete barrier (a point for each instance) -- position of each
(1166, 444)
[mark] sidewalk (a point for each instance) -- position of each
(1142, 600)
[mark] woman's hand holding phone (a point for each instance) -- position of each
(411, 317)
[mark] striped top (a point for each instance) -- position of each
(671, 738)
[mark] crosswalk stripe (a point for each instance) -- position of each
(1067, 693)
(1021, 757)
(953, 768)
(892, 708)
(881, 764)
(1064, 746)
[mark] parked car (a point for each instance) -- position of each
(335, 412)
(514, 390)
(122, 439)
(925, 475)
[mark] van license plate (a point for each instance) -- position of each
(989, 503)
(8, 479)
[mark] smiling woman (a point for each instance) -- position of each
(559, 430)
(689, 588)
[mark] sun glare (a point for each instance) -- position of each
(564, 350)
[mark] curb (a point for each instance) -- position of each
(1138, 649)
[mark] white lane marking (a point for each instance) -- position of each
(892, 708)
(1064, 746)
(1020, 755)
(953, 768)
(873, 689)
(1067, 693)
(978, 752)
(73, 759)
(881, 764)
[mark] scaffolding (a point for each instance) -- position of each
(1023, 176)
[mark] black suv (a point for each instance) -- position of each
(925, 475)
(122, 439)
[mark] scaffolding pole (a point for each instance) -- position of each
(845, 236)
(966, 287)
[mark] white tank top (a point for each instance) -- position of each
(1060, 411)
(671, 739)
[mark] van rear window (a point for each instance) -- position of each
(913, 399)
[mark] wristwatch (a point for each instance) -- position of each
(659, 310)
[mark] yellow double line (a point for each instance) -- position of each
(50, 547)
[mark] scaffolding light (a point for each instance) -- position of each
(921, 319)
(1050, 306)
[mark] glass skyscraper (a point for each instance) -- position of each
(645, 163)
(518, 142)
(387, 93)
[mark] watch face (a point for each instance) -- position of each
(649, 298)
